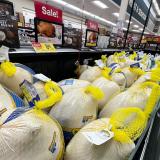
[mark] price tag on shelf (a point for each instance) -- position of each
(43, 47)
(4, 54)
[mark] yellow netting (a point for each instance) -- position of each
(128, 124)
(154, 97)
(133, 56)
(105, 72)
(54, 94)
(155, 74)
(8, 68)
(137, 71)
(104, 58)
(96, 92)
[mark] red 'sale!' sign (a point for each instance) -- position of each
(92, 25)
(47, 12)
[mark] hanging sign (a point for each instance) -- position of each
(92, 25)
(140, 9)
(47, 12)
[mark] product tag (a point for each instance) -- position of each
(4, 54)
(42, 77)
(29, 92)
(135, 65)
(100, 63)
(66, 82)
(99, 137)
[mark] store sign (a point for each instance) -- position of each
(92, 25)
(139, 11)
(47, 12)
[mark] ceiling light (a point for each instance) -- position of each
(135, 26)
(125, 29)
(100, 4)
(116, 14)
(134, 30)
(63, 3)
(127, 21)
(141, 29)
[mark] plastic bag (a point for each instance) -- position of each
(91, 74)
(30, 134)
(11, 76)
(126, 124)
(137, 96)
(77, 108)
(109, 88)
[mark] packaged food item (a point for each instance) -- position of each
(76, 109)
(30, 134)
(143, 96)
(12, 75)
(108, 139)
(109, 88)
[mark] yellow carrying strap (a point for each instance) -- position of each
(155, 74)
(8, 68)
(54, 94)
(128, 124)
(133, 56)
(153, 99)
(105, 72)
(96, 92)
(137, 71)
(104, 59)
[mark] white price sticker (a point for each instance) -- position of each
(98, 137)
(42, 77)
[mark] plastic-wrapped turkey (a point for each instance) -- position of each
(144, 95)
(95, 141)
(30, 134)
(91, 74)
(9, 100)
(12, 75)
(77, 108)
(109, 88)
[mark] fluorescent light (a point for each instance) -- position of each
(156, 6)
(100, 4)
(141, 29)
(125, 29)
(86, 13)
(135, 26)
(134, 30)
(116, 14)
(127, 21)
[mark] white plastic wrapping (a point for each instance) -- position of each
(133, 97)
(81, 149)
(109, 88)
(76, 109)
(91, 74)
(70, 84)
(13, 82)
(31, 136)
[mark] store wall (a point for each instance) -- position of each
(19, 4)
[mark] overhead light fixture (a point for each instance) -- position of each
(125, 29)
(127, 21)
(156, 6)
(116, 14)
(86, 13)
(135, 26)
(141, 29)
(100, 4)
(134, 30)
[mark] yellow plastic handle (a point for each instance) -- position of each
(54, 94)
(137, 71)
(128, 124)
(96, 92)
(8, 68)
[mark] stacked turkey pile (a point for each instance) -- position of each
(100, 115)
